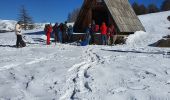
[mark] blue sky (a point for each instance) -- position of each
(47, 10)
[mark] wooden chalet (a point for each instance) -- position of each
(116, 12)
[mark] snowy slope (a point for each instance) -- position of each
(133, 71)
(156, 26)
(7, 25)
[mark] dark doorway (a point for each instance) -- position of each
(100, 15)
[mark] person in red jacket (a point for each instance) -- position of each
(48, 33)
(111, 34)
(103, 30)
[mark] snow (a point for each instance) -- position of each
(7, 25)
(133, 71)
(156, 25)
(137, 38)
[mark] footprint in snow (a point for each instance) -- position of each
(118, 90)
(142, 87)
(168, 82)
(167, 71)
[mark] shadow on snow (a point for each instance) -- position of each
(134, 51)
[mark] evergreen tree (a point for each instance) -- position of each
(136, 8)
(152, 8)
(25, 18)
(165, 5)
(143, 9)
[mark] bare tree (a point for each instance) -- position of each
(25, 18)
(73, 15)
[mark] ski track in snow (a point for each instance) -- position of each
(6, 67)
(76, 83)
(36, 61)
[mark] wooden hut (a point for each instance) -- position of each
(116, 12)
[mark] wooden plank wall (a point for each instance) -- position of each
(84, 17)
(124, 16)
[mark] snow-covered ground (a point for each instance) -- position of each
(134, 71)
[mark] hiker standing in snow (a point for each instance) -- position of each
(60, 33)
(55, 30)
(48, 33)
(87, 37)
(111, 35)
(92, 32)
(103, 30)
(65, 32)
(70, 33)
(18, 28)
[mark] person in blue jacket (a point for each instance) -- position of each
(87, 38)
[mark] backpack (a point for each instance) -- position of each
(23, 44)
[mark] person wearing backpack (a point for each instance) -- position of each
(65, 32)
(48, 33)
(60, 33)
(18, 28)
(55, 30)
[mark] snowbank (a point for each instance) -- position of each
(138, 38)
(72, 24)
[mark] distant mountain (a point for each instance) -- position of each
(7, 25)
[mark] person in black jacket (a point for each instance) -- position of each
(92, 33)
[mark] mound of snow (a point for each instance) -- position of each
(68, 24)
(138, 38)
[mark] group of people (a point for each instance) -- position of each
(62, 32)
(108, 33)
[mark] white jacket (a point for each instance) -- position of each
(18, 29)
